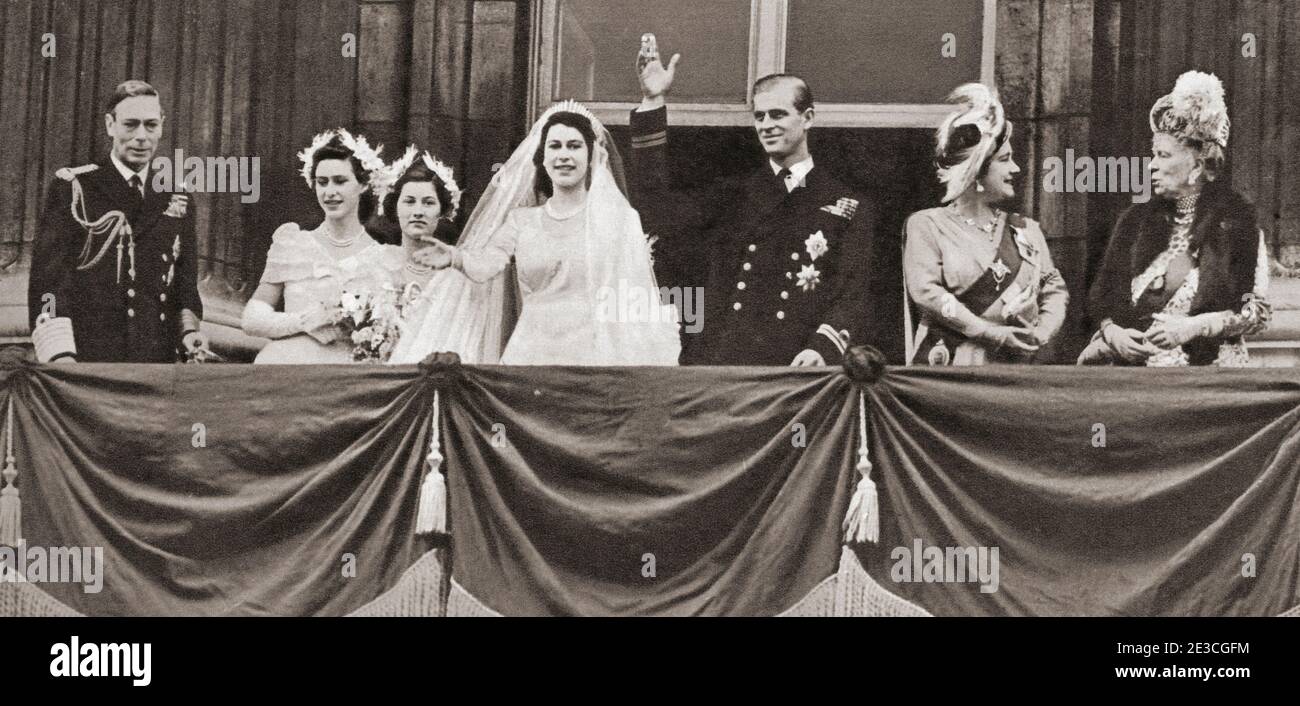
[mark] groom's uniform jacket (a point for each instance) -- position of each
(782, 271)
(123, 288)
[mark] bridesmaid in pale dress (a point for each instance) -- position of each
(420, 198)
(307, 270)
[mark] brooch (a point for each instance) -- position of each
(815, 245)
(1000, 272)
(809, 278)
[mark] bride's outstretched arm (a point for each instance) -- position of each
(479, 264)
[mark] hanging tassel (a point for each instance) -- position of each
(862, 523)
(10, 505)
(431, 516)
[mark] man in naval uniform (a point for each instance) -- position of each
(113, 254)
(781, 253)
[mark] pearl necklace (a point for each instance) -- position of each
(1185, 210)
(342, 243)
(551, 212)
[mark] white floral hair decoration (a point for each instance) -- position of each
(393, 172)
(1194, 110)
(978, 124)
(356, 144)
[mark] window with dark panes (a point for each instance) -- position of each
(872, 63)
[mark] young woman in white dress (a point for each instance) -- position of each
(581, 269)
(419, 196)
(307, 270)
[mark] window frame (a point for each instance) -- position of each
(767, 53)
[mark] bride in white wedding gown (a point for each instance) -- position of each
(554, 233)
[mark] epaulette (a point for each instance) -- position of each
(70, 173)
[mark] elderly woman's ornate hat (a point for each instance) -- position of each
(1195, 110)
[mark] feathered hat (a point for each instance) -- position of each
(357, 145)
(968, 137)
(1195, 110)
(390, 175)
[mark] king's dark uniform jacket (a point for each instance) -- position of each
(782, 271)
(124, 302)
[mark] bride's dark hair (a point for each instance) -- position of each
(578, 122)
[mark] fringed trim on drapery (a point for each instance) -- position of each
(427, 590)
(25, 600)
(817, 603)
(420, 592)
(851, 592)
(460, 604)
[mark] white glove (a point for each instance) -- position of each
(261, 319)
(1173, 331)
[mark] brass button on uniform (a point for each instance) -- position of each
(780, 314)
(740, 285)
(794, 256)
(130, 312)
(785, 295)
(130, 292)
(752, 247)
(162, 297)
(746, 267)
(736, 306)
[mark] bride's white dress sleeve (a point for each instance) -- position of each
(482, 264)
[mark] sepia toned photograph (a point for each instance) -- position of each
(746, 308)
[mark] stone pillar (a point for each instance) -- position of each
(1044, 75)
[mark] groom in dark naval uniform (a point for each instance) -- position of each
(781, 253)
(114, 254)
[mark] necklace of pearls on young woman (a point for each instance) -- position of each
(343, 242)
(550, 211)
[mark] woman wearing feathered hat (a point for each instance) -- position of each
(1185, 275)
(982, 279)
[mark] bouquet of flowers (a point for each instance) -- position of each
(372, 320)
